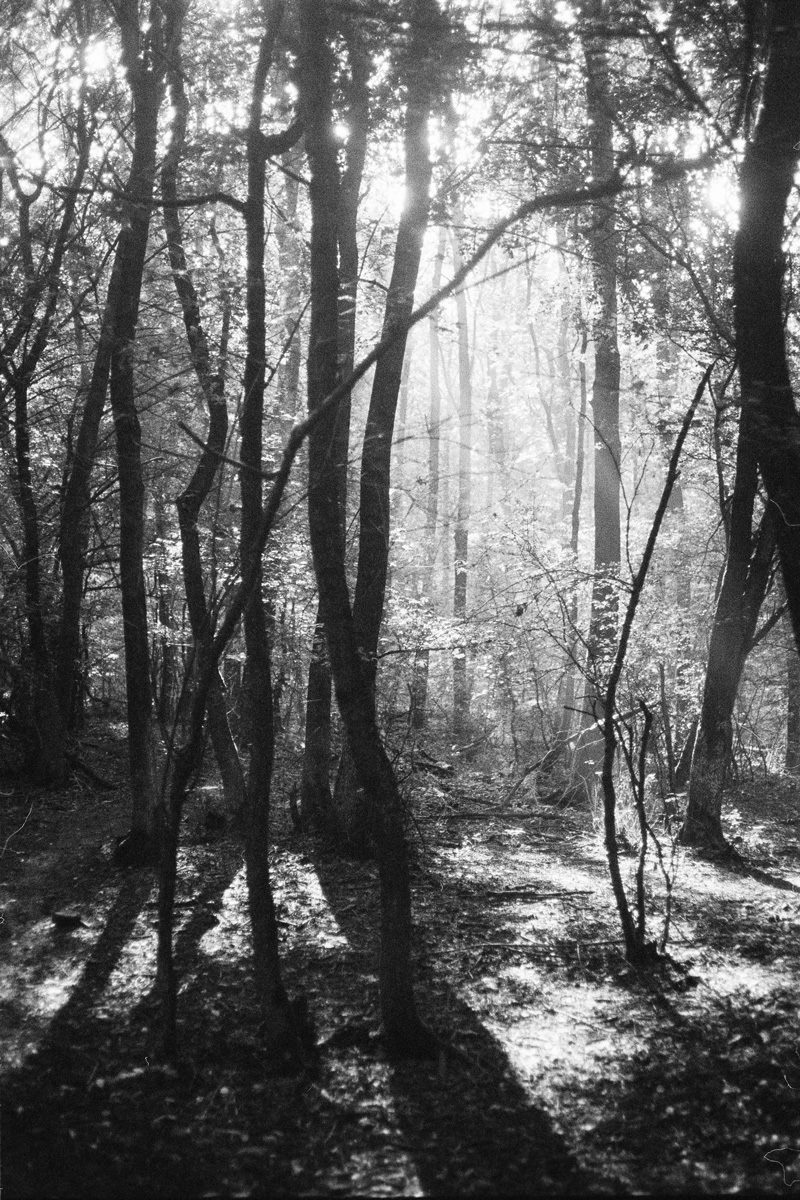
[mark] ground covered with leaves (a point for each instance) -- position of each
(563, 1071)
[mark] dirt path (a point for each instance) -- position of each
(565, 1071)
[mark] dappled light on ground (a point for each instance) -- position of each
(562, 1069)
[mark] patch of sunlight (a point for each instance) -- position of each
(729, 977)
(312, 914)
(230, 937)
(572, 1036)
(33, 989)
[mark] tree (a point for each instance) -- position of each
(604, 249)
(272, 998)
(461, 696)
(211, 381)
(768, 431)
(147, 48)
(374, 510)
(21, 355)
(354, 695)
(315, 786)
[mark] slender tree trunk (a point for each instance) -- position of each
(604, 247)
(146, 77)
(792, 756)
(461, 691)
(39, 712)
(290, 260)
(163, 655)
(315, 786)
(351, 803)
(419, 684)
(744, 585)
(196, 492)
(270, 991)
(354, 695)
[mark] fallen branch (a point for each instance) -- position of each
(530, 895)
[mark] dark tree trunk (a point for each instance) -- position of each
(769, 426)
(354, 695)
(461, 690)
(38, 711)
(194, 495)
(745, 581)
(351, 804)
(767, 176)
(316, 797)
(146, 79)
(272, 998)
(792, 756)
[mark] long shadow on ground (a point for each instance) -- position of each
(708, 1098)
(470, 1128)
(90, 1112)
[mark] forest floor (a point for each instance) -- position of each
(565, 1072)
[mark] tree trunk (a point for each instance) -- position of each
(146, 78)
(350, 802)
(194, 495)
(317, 807)
(271, 995)
(744, 585)
(792, 756)
(419, 683)
(461, 691)
(769, 426)
(39, 713)
(354, 695)
(604, 248)
(767, 175)
(163, 655)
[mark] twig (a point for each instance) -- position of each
(529, 895)
(16, 831)
(232, 462)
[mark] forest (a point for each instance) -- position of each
(399, 597)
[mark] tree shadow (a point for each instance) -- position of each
(766, 877)
(35, 1095)
(75, 1110)
(467, 1122)
(706, 1096)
